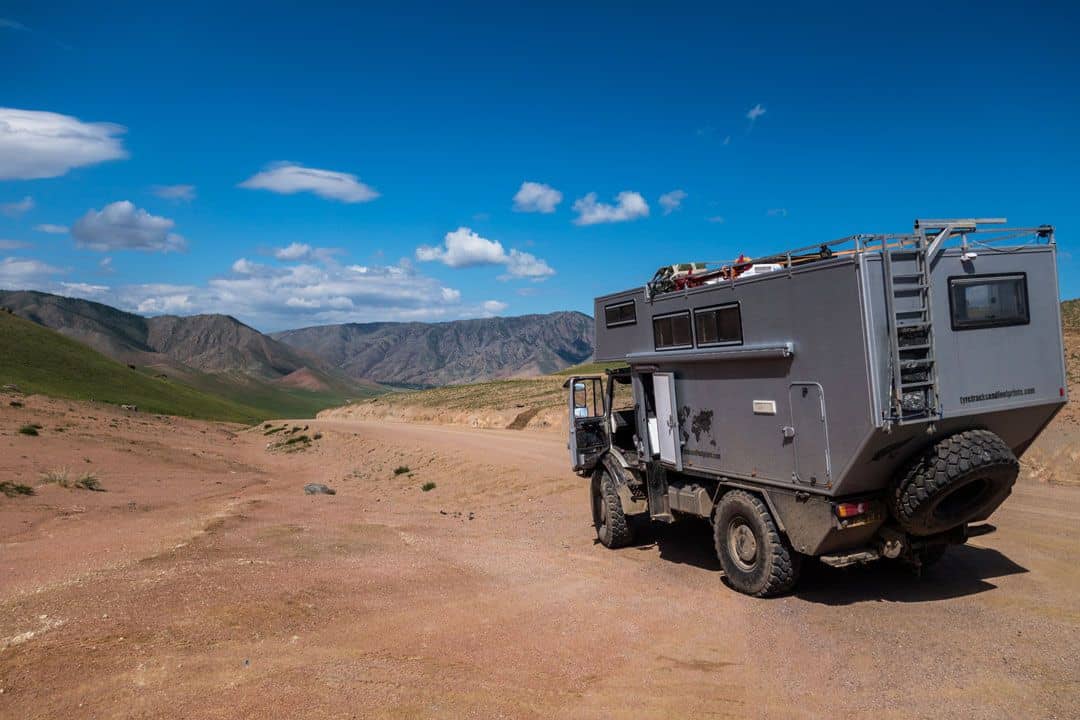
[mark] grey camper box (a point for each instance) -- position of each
(861, 399)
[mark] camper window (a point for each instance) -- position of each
(620, 314)
(984, 301)
(718, 325)
(672, 331)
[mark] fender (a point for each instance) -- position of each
(615, 468)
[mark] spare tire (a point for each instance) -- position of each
(958, 479)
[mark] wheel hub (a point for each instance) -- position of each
(743, 545)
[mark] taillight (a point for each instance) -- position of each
(850, 510)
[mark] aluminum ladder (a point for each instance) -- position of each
(914, 396)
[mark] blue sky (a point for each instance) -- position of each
(362, 164)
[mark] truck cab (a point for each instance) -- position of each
(603, 417)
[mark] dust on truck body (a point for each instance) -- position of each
(863, 399)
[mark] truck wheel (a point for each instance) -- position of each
(960, 478)
(612, 528)
(757, 560)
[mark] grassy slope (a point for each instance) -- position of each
(594, 368)
(39, 360)
(272, 399)
(539, 393)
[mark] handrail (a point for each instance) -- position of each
(742, 352)
(946, 230)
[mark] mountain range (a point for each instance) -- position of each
(296, 370)
(428, 354)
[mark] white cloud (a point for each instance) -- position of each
(12, 25)
(52, 229)
(179, 193)
(629, 206)
(84, 289)
(122, 226)
(243, 266)
(289, 295)
(290, 178)
(672, 200)
(163, 299)
(494, 307)
(274, 297)
(13, 245)
(526, 265)
(717, 219)
(35, 144)
(105, 265)
(465, 248)
(727, 139)
(755, 112)
(536, 197)
(15, 209)
(21, 273)
(295, 251)
(777, 212)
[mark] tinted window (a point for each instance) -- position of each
(988, 301)
(718, 326)
(621, 314)
(672, 331)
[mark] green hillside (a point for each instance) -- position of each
(39, 360)
(589, 368)
(275, 400)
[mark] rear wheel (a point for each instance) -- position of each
(756, 558)
(612, 528)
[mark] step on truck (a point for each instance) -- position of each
(862, 399)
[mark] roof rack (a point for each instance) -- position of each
(932, 234)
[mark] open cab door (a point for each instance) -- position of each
(588, 432)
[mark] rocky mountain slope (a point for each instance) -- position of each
(452, 352)
(208, 343)
(217, 354)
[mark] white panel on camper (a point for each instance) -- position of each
(667, 418)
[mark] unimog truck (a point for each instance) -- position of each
(863, 399)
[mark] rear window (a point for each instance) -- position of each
(620, 314)
(718, 326)
(985, 301)
(672, 331)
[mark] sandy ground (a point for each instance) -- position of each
(204, 583)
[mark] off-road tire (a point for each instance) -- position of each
(612, 527)
(774, 567)
(958, 479)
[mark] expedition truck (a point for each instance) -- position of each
(862, 399)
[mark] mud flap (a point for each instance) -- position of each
(657, 487)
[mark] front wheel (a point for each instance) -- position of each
(612, 526)
(756, 559)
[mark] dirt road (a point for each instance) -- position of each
(204, 583)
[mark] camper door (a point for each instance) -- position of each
(664, 434)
